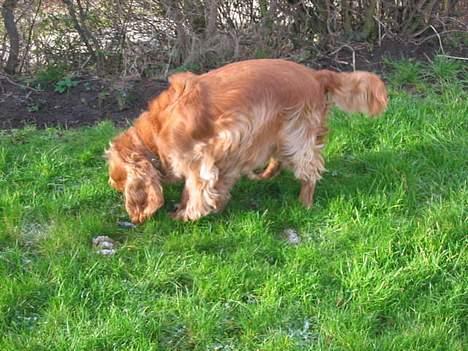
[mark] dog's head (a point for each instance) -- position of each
(133, 170)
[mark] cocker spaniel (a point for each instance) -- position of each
(208, 130)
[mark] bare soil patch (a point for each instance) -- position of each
(90, 101)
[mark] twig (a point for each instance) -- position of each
(349, 47)
(440, 40)
(428, 58)
(4, 77)
(28, 42)
(380, 33)
(382, 25)
(342, 62)
(454, 57)
(438, 34)
(81, 67)
(417, 34)
(459, 23)
(168, 65)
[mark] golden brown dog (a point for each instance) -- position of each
(208, 130)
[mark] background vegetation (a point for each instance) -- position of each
(150, 37)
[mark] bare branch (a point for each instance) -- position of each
(8, 10)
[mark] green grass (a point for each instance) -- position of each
(383, 262)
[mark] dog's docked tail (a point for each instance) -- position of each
(355, 91)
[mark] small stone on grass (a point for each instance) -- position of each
(126, 225)
(106, 252)
(104, 245)
(292, 236)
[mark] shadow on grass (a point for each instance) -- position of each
(419, 176)
(413, 178)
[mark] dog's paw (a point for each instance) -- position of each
(185, 216)
(180, 215)
(253, 176)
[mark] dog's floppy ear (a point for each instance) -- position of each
(377, 95)
(355, 91)
(143, 191)
(133, 170)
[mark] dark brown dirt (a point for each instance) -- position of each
(92, 100)
(372, 58)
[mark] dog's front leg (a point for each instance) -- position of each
(183, 200)
(198, 199)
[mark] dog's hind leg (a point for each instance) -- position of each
(272, 169)
(308, 170)
(301, 150)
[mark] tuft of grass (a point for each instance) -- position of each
(382, 263)
(441, 74)
(447, 70)
(65, 84)
(405, 72)
(49, 76)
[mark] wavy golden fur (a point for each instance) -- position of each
(208, 130)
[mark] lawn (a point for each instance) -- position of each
(382, 263)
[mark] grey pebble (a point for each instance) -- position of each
(106, 252)
(99, 240)
(126, 225)
(104, 244)
(292, 236)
